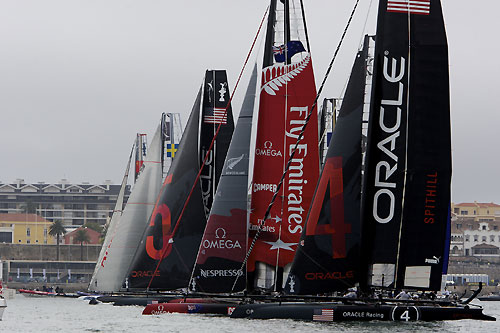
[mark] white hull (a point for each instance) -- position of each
(3, 305)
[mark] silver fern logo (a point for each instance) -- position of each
(278, 75)
(231, 163)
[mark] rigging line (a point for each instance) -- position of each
(167, 248)
(301, 134)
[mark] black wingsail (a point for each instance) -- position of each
(224, 243)
(408, 167)
(178, 252)
(327, 258)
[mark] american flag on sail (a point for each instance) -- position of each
(323, 315)
(215, 116)
(422, 7)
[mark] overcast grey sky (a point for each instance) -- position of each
(78, 79)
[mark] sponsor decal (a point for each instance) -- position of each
(329, 275)
(222, 91)
(265, 228)
(386, 167)
(362, 314)
(221, 242)
(268, 150)
(291, 283)
(230, 310)
(433, 260)
(210, 273)
(139, 274)
(231, 163)
(265, 187)
(295, 177)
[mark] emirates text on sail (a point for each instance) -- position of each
(295, 178)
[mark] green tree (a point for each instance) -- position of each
(82, 237)
(57, 229)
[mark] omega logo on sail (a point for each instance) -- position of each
(268, 150)
(386, 168)
(221, 242)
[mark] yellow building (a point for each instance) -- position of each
(25, 229)
(480, 211)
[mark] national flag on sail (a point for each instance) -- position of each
(422, 7)
(323, 315)
(215, 116)
(171, 149)
(292, 47)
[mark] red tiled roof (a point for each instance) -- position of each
(477, 204)
(21, 217)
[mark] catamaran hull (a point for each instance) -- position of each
(331, 313)
(204, 308)
(3, 305)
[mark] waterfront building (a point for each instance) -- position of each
(94, 236)
(475, 230)
(73, 204)
(24, 229)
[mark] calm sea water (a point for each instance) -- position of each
(25, 314)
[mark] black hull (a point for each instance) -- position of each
(489, 298)
(330, 312)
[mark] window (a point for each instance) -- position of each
(28, 241)
(476, 238)
(467, 238)
(495, 227)
(484, 239)
(464, 212)
(459, 225)
(492, 238)
(474, 212)
(45, 232)
(28, 232)
(470, 227)
(483, 227)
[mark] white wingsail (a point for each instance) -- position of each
(111, 229)
(130, 227)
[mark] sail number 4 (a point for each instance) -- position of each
(331, 179)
